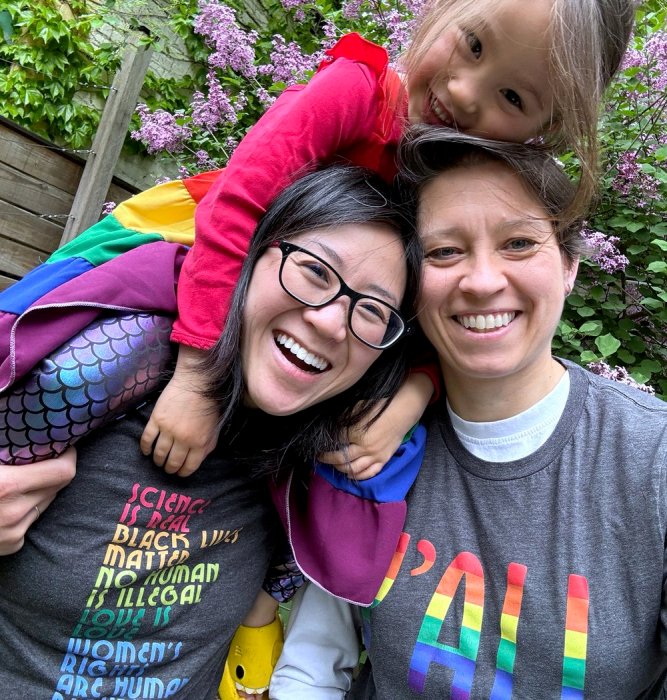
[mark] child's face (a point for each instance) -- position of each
(493, 82)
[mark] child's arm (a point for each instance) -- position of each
(307, 126)
(371, 448)
(183, 428)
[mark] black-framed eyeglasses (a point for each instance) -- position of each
(313, 282)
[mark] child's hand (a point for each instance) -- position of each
(253, 652)
(183, 428)
(371, 448)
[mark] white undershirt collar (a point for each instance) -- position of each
(518, 436)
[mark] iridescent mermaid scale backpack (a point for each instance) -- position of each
(99, 311)
(93, 378)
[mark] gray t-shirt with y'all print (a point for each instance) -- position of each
(539, 578)
(131, 584)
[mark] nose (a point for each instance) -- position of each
(330, 320)
(464, 96)
(483, 277)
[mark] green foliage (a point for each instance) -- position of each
(46, 61)
(621, 317)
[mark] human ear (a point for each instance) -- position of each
(570, 269)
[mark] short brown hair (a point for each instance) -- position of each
(427, 151)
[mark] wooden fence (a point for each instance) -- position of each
(37, 188)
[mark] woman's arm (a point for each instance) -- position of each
(321, 649)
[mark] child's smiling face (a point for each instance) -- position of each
(492, 82)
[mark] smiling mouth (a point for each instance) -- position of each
(486, 322)
(300, 356)
(441, 113)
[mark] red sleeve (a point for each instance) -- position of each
(308, 124)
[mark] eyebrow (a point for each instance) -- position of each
(375, 288)
(504, 226)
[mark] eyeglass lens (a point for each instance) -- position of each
(315, 283)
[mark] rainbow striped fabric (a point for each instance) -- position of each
(127, 262)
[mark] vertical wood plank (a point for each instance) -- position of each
(108, 142)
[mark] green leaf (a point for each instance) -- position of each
(626, 357)
(636, 249)
(607, 344)
(586, 311)
(597, 293)
(651, 303)
(650, 366)
(658, 266)
(591, 328)
(587, 356)
(6, 26)
(659, 243)
(576, 300)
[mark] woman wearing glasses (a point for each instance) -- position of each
(132, 581)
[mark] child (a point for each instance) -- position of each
(508, 70)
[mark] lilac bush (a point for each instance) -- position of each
(247, 69)
(617, 316)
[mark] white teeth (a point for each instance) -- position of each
(250, 691)
(487, 322)
(439, 112)
(304, 355)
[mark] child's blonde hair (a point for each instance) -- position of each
(588, 39)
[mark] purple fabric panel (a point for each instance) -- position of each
(143, 279)
(342, 542)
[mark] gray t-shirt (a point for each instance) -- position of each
(538, 578)
(131, 584)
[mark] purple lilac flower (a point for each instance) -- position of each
(183, 172)
(618, 374)
(603, 250)
(231, 46)
(630, 179)
(652, 61)
(204, 160)
(162, 180)
(241, 102)
(108, 207)
(265, 98)
(217, 110)
(399, 32)
(330, 33)
(289, 4)
(288, 65)
(159, 131)
(230, 145)
(351, 8)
